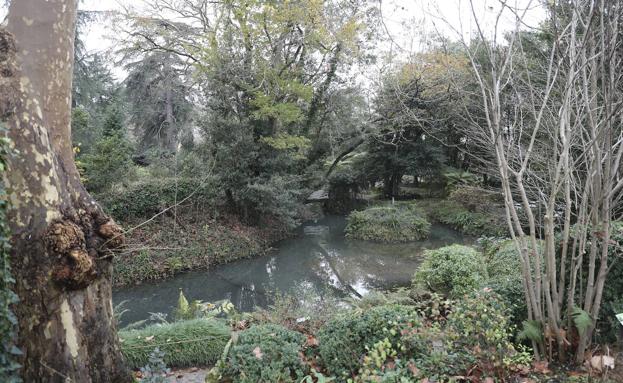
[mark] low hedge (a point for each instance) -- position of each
(394, 223)
(198, 342)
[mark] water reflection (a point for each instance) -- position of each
(318, 261)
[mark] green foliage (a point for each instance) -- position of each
(198, 309)
(165, 248)
(158, 98)
(343, 340)
(198, 342)
(8, 322)
(317, 377)
(82, 133)
(472, 223)
(108, 164)
(531, 330)
(455, 178)
(146, 198)
(301, 310)
(278, 197)
(288, 142)
(156, 370)
(505, 277)
(399, 223)
(113, 121)
(478, 327)
(452, 270)
(581, 319)
(266, 353)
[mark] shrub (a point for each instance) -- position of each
(452, 270)
(397, 223)
(477, 199)
(343, 340)
(109, 163)
(479, 331)
(266, 353)
(455, 178)
(505, 278)
(146, 198)
(156, 370)
(301, 310)
(197, 342)
(462, 219)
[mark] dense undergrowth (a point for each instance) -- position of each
(459, 321)
(168, 246)
(175, 225)
(400, 222)
(470, 210)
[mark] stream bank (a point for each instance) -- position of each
(318, 261)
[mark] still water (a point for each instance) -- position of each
(319, 260)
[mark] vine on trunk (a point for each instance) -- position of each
(8, 322)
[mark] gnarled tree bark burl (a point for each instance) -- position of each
(62, 242)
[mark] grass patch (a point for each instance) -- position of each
(401, 222)
(198, 342)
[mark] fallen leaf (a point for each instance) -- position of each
(149, 338)
(414, 370)
(489, 379)
(541, 367)
(258, 352)
(311, 341)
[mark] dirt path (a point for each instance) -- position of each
(188, 375)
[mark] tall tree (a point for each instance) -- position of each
(158, 97)
(62, 241)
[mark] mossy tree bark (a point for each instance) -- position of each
(62, 242)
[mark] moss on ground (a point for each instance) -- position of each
(401, 222)
(198, 342)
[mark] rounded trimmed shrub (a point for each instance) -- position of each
(343, 342)
(396, 223)
(266, 353)
(452, 270)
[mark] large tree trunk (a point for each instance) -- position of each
(62, 242)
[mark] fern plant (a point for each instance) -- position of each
(581, 319)
(532, 330)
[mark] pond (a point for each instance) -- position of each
(318, 260)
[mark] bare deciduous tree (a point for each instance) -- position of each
(555, 129)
